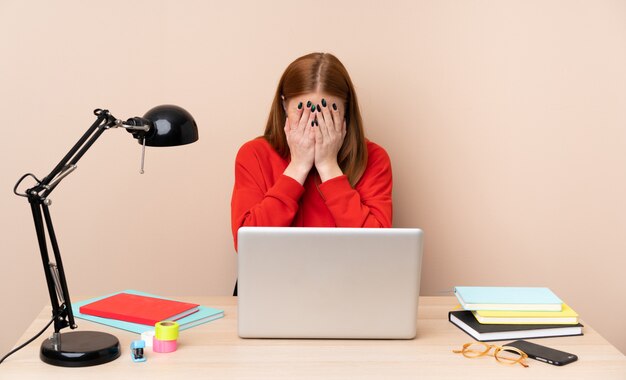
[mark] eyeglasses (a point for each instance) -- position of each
(503, 354)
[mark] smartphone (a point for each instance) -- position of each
(543, 353)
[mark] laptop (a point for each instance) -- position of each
(341, 283)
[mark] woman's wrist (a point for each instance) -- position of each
(297, 172)
(329, 170)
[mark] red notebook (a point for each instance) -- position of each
(139, 309)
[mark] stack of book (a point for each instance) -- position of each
(502, 313)
(138, 312)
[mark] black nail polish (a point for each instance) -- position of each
(317, 123)
(300, 105)
(313, 108)
(335, 106)
(308, 104)
(319, 109)
(324, 102)
(313, 123)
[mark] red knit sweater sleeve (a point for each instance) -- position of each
(369, 203)
(254, 202)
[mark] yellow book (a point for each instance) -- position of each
(566, 316)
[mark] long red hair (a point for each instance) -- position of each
(325, 73)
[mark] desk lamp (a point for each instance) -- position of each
(165, 125)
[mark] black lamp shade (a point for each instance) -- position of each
(172, 125)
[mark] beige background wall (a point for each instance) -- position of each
(505, 122)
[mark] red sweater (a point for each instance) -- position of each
(264, 196)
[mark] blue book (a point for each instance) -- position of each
(507, 298)
(203, 315)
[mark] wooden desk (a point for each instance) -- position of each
(214, 351)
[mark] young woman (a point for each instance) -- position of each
(313, 166)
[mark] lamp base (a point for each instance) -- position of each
(80, 349)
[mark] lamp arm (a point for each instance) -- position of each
(139, 127)
(102, 116)
(55, 275)
(37, 197)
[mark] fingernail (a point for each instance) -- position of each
(319, 109)
(317, 123)
(324, 102)
(300, 105)
(335, 106)
(308, 104)
(313, 108)
(313, 123)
